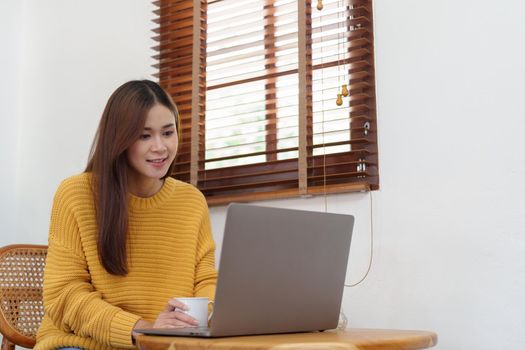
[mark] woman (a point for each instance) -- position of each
(126, 239)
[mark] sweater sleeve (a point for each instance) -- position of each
(70, 299)
(205, 271)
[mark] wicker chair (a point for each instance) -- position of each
(21, 281)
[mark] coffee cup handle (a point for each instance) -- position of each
(211, 313)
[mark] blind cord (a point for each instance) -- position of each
(371, 245)
(324, 163)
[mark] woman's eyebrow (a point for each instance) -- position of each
(164, 127)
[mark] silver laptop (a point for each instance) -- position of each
(280, 271)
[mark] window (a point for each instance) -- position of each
(256, 83)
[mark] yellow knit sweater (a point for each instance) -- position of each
(170, 254)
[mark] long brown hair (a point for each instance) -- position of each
(121, 125)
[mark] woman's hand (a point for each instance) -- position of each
(173, 316)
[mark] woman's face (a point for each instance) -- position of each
(150, 156)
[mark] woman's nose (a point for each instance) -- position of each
(158, 144)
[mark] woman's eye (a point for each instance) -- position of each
(144, 137)
(168, 133)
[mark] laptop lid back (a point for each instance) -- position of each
(280, 271)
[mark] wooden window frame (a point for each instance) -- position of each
(181, 57)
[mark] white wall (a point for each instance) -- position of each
(450, 214)
(11, 34)
(76, 53)
(450, 225)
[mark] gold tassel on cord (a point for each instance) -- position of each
(339, 100)
(344, 90)
(319, 5)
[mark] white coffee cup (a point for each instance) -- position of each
(198, 309)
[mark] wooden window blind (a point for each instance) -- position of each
(256, 83)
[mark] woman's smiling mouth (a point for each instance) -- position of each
(157, 162)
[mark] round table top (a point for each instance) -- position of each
(350, 339)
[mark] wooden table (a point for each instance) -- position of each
(351, 339)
